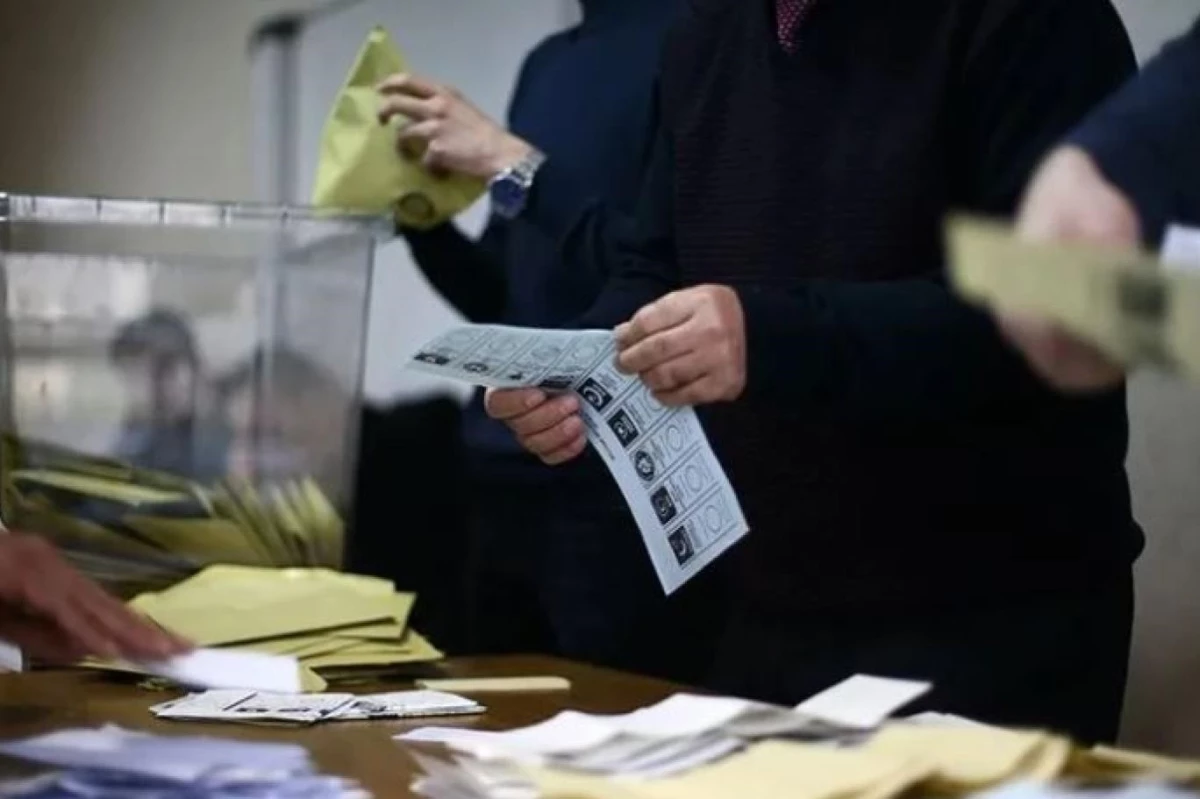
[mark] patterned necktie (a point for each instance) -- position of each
(789, 14)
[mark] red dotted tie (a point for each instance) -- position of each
(790, 14)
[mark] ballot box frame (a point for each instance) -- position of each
(291, 229)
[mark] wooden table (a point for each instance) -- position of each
(41, 702)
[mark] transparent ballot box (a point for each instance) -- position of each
(181, 382)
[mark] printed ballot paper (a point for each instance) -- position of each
(678, 493)
(253, 707)
(1137, 309)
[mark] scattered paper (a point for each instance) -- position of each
(680, 732)
(677, 491)
(862, 702)
(112, 763)
(260, 707)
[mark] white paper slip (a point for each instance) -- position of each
(218, 668)
(1181, 248)
(254, 707)
(407, 705)
(862, 702)
(678, 493)
(12, 659)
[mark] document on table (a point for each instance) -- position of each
(216, 668)
(255, 707)
(660, 457)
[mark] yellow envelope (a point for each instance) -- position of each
(968, 759)
(359, 167)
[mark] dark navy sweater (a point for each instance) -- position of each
(584, 97)
(891, 451)
(1147, 138)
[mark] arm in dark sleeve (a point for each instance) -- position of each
(1146, 139)
(637, 252)
(469, 274)
(909, 351)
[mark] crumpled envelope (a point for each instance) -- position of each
(359, 168)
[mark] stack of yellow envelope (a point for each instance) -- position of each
(137, 530)
(899, 759)
(333, 623)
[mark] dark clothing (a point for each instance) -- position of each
(583, 97)
(1147, 138)
(1057, 661)
(566, 572)
(558, 565)
(890, 452)
(419, 545)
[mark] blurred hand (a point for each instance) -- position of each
(446, 131)
(549, 427)
(689, 347)
(54, 613)
(1070, 200)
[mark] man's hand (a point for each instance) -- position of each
(1070, 200)
(549, 427)
(689, 347)
(54, 613)
(446, 131)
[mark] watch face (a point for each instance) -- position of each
(507, 195)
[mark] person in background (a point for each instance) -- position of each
(171, 425)
(54, 613)
(920, 504)
(558, 565)
(1121, 178)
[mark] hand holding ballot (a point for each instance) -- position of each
(547, 426)
(54, 613)
(689, 347)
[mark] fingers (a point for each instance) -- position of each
(698, 392)
(655, 352)
(675, 373)
(671, 311)
(548, 427)
(413, 139)
(411, 85)
(412, 108)
(86, 618)
(42, 641)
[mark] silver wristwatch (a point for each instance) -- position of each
(509, 191)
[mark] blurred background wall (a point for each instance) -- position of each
(157, 97)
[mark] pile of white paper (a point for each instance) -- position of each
(113, 763)
(680, 733)
(253, 707)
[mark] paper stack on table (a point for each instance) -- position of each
(334, 624)
(901, 759)
(261, 707)
(681, 732)
(1136, 309)
(112, 763)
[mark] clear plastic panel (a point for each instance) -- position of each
(184, 381)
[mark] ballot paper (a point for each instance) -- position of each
(260, 707)
(680, 732)
(111, 763)
(660, 457)
(11, 657)
(1181, 248)
(1127, 304)
(215, 668)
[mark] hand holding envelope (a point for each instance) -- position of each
(359, 167)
